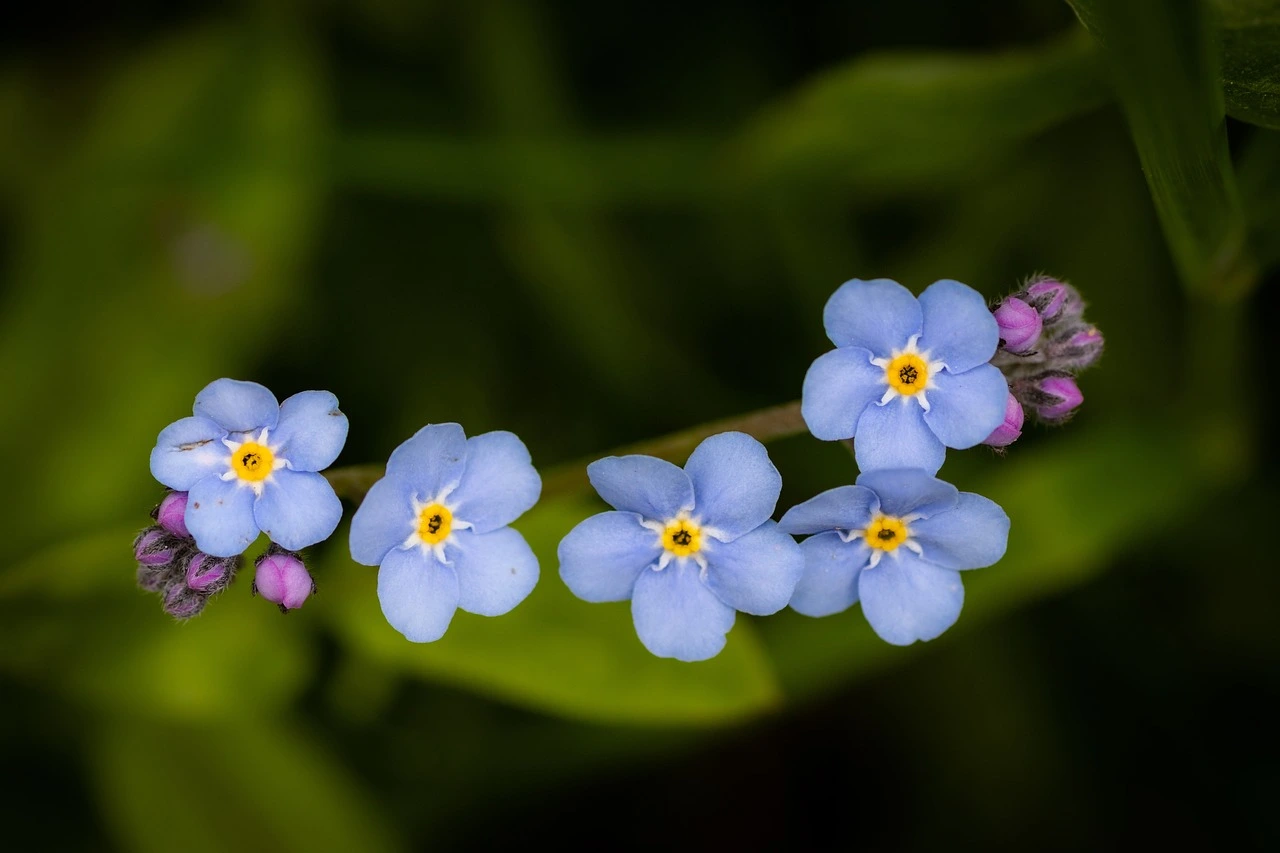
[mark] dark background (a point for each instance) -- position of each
(593, 224)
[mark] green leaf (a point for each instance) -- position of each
(1251, 59)
(72, 621)
(1073, 506)
(1164, 65)
(269, 787)
(904, 119)
(556, 653)
(152, 253)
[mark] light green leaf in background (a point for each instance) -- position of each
(1164, 64)
(901, 120)
(1251, 59)
(264, 786)
(554, 652)
(187, 202)
(1074, 506)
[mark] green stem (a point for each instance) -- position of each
(353, 481)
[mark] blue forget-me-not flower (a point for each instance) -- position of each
(910, 377)
(437, 527)
(689, 547)
(250, 464)
(896, 541)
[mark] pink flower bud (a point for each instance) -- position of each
(210, 574)
(1009, 431)
(1019, 323)
(1063, 397)
(183, 603)
(1078, 350)
(281, 577)
(155, 547)
(171, 514)
(1052, 297)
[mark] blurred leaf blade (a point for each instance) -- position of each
(902, 119)
(1164, 64)
(1251, 59)
(264, 787)
(556, 653)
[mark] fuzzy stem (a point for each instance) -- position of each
(353, 481)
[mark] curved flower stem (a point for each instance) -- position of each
(353, 481)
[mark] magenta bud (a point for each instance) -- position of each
(210, 574)
(1062, 397)
(154, 578)
(1052, 297)
(171, 514)
(1009, 431)
(281, 577)
(155, 547)
(1019, 323)
(183, 603)
(1079, 350)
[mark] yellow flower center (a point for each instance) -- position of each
(886, 533)
(253, 462)
(434, 523)
(682, 537)
(907, 374)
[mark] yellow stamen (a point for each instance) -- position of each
(434, 523)
(253, 462)
(682, 537)
(907, 374)
(886, 533)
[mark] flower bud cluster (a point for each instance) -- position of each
(170, 564)
(1044, 342)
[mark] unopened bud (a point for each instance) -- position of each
(156, 547)
(210, 575)
(171, 514)
(1060, 396)
(1053, 298)
(1077, 350)
(1019, 323)
(183, 603)
(280, 577)
(1009, 431)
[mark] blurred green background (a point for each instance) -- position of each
(593, 224)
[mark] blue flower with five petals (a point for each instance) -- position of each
(436, 526)
(910, 377)
(249, 464)
(689, 547)
(896, 541)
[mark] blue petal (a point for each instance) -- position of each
(187, 451)
(238, 406)
(432, 461)
(418, 593)
(384, 520)
(837, 390)
(879, 315)
(959, 328)
(841, 508)
(677, 616)
(735, 486)
(220, 516)
(757, 572)
(311, 430)
(965, 408)
(895, 435)
(652, 487)
(297, 509)
(499, 484)
(971, 536)
(910, 492)
(496, 571)
(601, 558)
(906, 599)
(830, 580)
